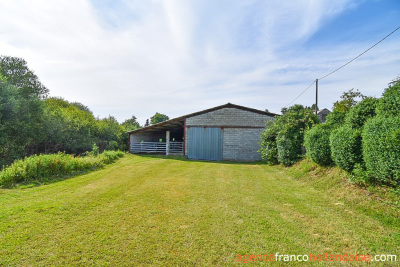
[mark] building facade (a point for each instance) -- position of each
(228, 132)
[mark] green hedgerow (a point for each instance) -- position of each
(361, 112)
(316, 141)
(389, 104)
(346, 148)
(292, 125)
(268, 148)
(381, 148)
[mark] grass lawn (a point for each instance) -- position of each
(157, 211)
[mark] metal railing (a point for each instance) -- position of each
(156, 147)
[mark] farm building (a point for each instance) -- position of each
(227, 132)
(322, 114)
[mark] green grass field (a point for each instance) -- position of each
(157, 211)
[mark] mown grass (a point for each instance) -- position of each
(157, 211)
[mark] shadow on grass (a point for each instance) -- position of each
(182, 158)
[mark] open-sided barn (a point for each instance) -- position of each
(227, 132)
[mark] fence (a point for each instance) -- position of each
(156, 147)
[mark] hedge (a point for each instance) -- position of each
(268, 148)
(289, 148)
(361, 112)
(381, 148)
(389, 104)
(346, 147)
(316, 141)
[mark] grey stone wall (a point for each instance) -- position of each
(239, 144)
(229, 117)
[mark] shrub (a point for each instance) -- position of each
(289, 148)
(95, 150)
(346, 148)
(268, 148)
(361, 112)
(335, 118)
(381, 148)
(389, 104)
(316, 141)
(44, 168)
(292, 126)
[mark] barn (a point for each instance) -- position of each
(228, 132)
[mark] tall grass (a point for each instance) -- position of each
(45, 168)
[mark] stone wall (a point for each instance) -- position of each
(229, 117)
(241, 144)
(241, 131)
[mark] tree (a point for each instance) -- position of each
(17, 73)
(158, 117)
(82, 107)
(67, 127)
(110, 134)
(147, 124)
(394, 81)
(283, 139)
(349, 99)
(131, 124)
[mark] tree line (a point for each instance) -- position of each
(360, 136)
(32, 122)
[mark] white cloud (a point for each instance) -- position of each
(129, 58)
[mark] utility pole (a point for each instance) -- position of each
(316, 96)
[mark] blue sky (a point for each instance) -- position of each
(125, 58)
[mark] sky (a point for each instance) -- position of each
(135, 58)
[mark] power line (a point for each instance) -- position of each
(300, 94)
(345, 64)
(359, 55)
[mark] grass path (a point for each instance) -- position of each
(154, 211)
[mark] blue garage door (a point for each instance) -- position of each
(205, 143)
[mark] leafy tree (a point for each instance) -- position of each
(20, 123)
(82, 107)
(17, 73)
(131, 124)
(349, 99)
(110, 134)
(395, 81)
(158, 117)
(287, 131)
(268, 148)
(147, 123)
(68, 128)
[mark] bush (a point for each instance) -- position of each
(316, 141)
(381, 148)
(289, 148)
(335, 118)
(43, 168)
(292, 126)
(268, 148)
(361, 112)
(389, 104)
(346, 148)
